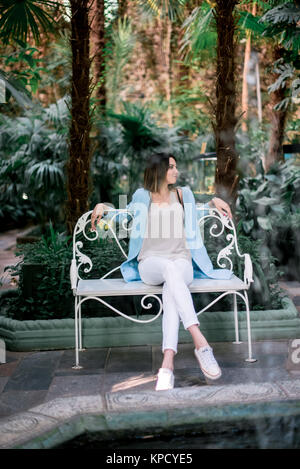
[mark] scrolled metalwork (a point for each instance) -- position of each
(226, 222)
(141, 321)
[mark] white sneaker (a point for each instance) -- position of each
(207, 362)
(165, 379)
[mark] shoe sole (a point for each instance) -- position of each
(206, 374)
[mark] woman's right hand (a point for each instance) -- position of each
(96, 215)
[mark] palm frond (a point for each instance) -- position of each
(16, 89)
(248, 21)
(18, 17)
(162, 8)
(200, 34)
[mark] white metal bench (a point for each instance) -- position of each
(97, 289)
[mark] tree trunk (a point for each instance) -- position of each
(122, 8)
(278, 121)
(245, 74)
(162, 48)
(97, 46)
(78, 167)
(226, 178)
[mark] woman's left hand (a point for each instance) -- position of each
(222, 206)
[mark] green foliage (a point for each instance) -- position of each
(33, 153)
(268, 207)
(44, 284)
(286, 73)
(162, 8)
(50, 296)
(29, 75)
(264, 292)
(20, 17)
(282, 23)
(118, 50)
(127, 139)
(200, 36)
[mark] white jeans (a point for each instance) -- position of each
(178, 305)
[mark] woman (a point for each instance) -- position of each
(166, 248)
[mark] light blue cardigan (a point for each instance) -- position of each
(202, 265)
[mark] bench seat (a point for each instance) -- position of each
(118, 287)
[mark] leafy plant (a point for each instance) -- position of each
(268, 209)
(44, 290)
(33, 150)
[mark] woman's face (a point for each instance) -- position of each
(172, 173)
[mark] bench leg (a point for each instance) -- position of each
(79, 328)
(250, 358)
(76, 366)
(236, 324)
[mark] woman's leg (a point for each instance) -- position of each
(177, 301)
(152, 273)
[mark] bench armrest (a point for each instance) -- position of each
(73, 276)
(248, 270)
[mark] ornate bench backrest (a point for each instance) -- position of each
(221, 225)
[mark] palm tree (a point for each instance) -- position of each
(78, 167)
(98, 41)
(215, 23)
(226, 177)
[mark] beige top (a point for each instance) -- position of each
(165, 236)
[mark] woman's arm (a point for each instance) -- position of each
(100, 210)
(217, 203)
(221, 205)
(97, 214)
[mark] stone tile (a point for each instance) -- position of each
(291, 388)
(120, 401)
(248, 375)
(82, 385)
(64, 408)
(12, 361)
(296, 300)
(17, 429)
(194, 376)
(7, 369)
(194, 396)
(229, 355)
(129, 359)
(3, 381)
(13, 402)
(92, 362)
(117, 382)
(250, 392)
(189, 377)
(34, 372)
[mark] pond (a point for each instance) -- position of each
(279, 432)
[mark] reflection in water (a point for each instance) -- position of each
(268, 433)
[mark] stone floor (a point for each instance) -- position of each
(29, 379)
(40, 391)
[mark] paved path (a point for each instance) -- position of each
(43, 401)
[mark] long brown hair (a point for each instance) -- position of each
(156, 170)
